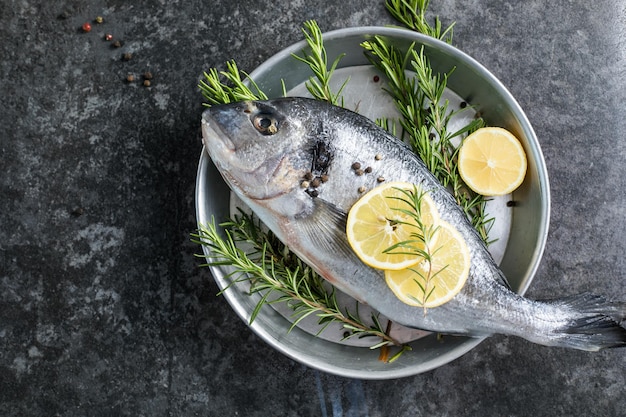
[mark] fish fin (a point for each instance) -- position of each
(326, 228)
(502, 279)
(595, 323)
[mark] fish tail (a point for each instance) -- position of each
(591, 323)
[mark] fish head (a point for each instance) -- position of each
(260, 147)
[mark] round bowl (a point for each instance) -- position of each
(525, 240)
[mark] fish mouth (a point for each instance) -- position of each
(213, 135)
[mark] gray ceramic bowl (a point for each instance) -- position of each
(526, 237)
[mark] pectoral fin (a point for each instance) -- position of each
(325, 228)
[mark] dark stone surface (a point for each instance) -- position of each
(103, 308)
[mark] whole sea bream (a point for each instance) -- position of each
(266, 150)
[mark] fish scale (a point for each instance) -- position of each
(264, 150)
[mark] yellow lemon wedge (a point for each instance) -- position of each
(432, 283)
(376, 223)
(492, 161)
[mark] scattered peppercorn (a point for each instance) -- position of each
(314, 193)
(361, 190)
(378, 157)
(368, 170)
(117, 44)
(463, 104)
(127, 56)
(380, 179)
(308, 176)
(316, 183)
(86, 27)
(147, 75)
(304, 184)
(78, 211)
(511, 203)
(99, 19)
(108, 37)
(130, 78)
(356, 165)
(324, 178)
(146, 83)
(376, 78)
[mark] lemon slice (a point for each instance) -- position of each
(375, 223)
(492, 161)
(431, 284)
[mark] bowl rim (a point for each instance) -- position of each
(278, 342)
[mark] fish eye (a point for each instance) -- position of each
(265, 123)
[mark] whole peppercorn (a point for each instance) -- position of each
(127, 56)
(86, 27)
(108, 37)
(130, 78)
(146, 83)
(147, 75)
(117, 44)
(99, 19)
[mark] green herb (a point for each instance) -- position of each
(420, 242)
(316, 59)
(413, 15)
(272, 270)
(216, 91)
(425, 117)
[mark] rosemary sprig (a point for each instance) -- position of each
(317, 60)
(412, 13)
(425, 117)
(420, 241)
(216, 91)
(271, 269)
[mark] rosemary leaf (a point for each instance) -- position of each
(218, 91)
(317, 60)
(412, 13)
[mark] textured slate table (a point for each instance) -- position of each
(103, 308)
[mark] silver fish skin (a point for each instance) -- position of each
(264, 150)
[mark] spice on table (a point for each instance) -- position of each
(130, 78)
(117, 44)
(99, 19)
(146, 83)
(147, 75)
(108, 37)
(127, 56)
(86, 27)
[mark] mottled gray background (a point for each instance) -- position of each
(104, 310)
